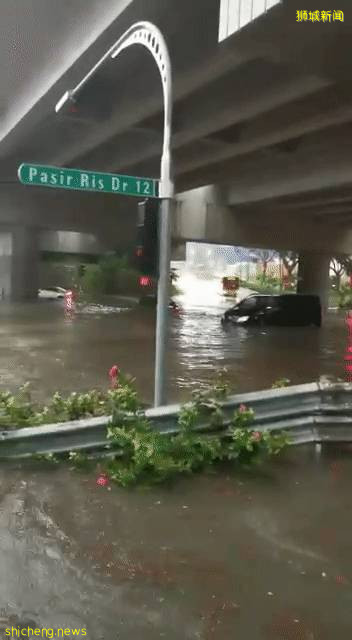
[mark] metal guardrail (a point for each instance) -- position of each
(310, 413)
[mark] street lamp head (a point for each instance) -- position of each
(64, 100)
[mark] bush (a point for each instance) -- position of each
(270, 285)
(268, 280)
(112, 275)
(93, 280)
(345, 297)
(280, 383)
(146, 455)
(18, 410)
(139, 452)
(262, 285)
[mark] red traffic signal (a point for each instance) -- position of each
(145, 281)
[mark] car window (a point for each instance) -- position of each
(248, 304)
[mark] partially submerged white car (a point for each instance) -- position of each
(52, 293)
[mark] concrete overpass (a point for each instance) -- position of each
(265, 115)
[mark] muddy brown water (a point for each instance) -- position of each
(262, 554)
(38, 343)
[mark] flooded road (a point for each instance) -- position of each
(37, 343)
(262, 555)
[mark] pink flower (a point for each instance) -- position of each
(242, 408)
(102, 480)
(256, 436)
(113, 375)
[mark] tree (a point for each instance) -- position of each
(339, 268)
(265, 256)
(290, 261)
(346, 262)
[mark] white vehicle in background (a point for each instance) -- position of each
(52, 293)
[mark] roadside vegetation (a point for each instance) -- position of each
(137, 453)
(91, 276)
(112, 275)
(270, 283)
(344, 297)
(340, 282)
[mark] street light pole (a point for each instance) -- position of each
(148, 35)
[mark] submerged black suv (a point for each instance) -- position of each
(296, 310)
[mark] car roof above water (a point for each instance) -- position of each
(285, 296)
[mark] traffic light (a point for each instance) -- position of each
(146, 251)
(145, 281)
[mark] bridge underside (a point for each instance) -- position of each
(267, 119)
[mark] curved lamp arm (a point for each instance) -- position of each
(149, 36)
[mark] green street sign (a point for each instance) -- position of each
(80, 180)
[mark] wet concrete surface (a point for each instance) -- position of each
(260, 555)
(38, 343)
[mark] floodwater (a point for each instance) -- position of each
(39, 344)
(260, 555)
(255, 555)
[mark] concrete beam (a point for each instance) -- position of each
(252, 141)
(201, 217)
(317, 164)
(330, 213)
(333, 212)
(226, 58)
(318, 204)
(208, 114)
(106, 216)
(345, 221)
(43, 48)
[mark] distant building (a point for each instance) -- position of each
(217, 255)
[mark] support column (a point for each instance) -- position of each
(313, 276)
(24, 264)
(178, 251)
(5, 264)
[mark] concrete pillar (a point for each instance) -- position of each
(24, 264)
(313, 276)
(178, 251)
(5, 264)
